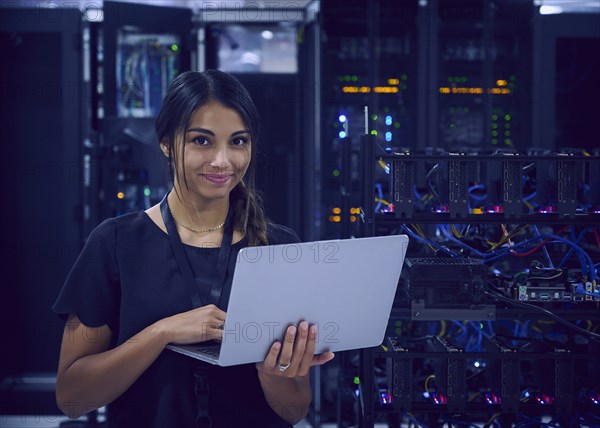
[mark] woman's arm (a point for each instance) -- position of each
(288, 397)
(288, 392)
(90, 375)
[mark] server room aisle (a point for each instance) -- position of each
(53, 421)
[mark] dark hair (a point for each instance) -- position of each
(190, 91)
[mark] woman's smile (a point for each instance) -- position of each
(217, 178)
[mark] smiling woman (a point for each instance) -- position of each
(206, 129)
(163, 276)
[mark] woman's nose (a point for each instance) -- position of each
(220, 159)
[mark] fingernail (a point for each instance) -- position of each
(277, 345)
(304, 326)
(292, 330)
(313, 330)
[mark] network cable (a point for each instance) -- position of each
(589, 334)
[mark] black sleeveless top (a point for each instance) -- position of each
(127, 278)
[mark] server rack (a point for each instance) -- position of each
(557, 367)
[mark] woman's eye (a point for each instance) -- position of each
(239, 141)
(200, 140)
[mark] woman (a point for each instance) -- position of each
(147, 279)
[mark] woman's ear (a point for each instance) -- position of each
(164, 147)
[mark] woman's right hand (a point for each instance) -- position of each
(198, 325)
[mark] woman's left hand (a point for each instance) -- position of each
(296, 356)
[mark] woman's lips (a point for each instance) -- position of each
(217, 178)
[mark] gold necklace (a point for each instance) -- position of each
(210, 229)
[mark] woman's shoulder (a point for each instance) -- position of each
(280, 234)
(110, 227)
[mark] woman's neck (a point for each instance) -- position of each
(199, 215)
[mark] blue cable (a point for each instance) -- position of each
(480, 334)
(558, 239)
(524, 328)
(573, 238)
(515, 342)
(486, 256)
(566, 257)
(529, 197)
(380, 194)
(458, 241)
(491, 327)
(579, 250)
(581, 235)
(417, 195)
(463, 330)
(544, 247)
(426, 241)
(496, 255)
(415, 421)
(535, 421)
(475, 187)
(460, 423)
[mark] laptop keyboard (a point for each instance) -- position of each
(210, 350)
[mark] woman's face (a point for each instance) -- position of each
(217, 150)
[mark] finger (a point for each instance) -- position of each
(309, 351)
(288, 345)
(215, 332)
(220, 315)
(214, 312)
(213, 328)
(321, 359)
(300, 344)
(271, 359)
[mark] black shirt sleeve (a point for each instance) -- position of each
(91, 289)
(279, 234)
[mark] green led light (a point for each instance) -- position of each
(374, 117)
(507, 117)
(494, 125)
(356, 380)
(481, 326)
(147, 191)
(396, 125)
(398, 323)
(507, 125)
(404, 77)
(373, 132)
(508, 141)
(341, 78)
(494, 141)
(494, 117)
(450, 79)
(354, 78)
(494, 133)
(386, 109)
(347, 78)
(336, 173)
(507, 133)
(174, 47)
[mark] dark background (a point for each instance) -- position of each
(53, 195)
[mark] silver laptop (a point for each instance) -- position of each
(345, 287)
